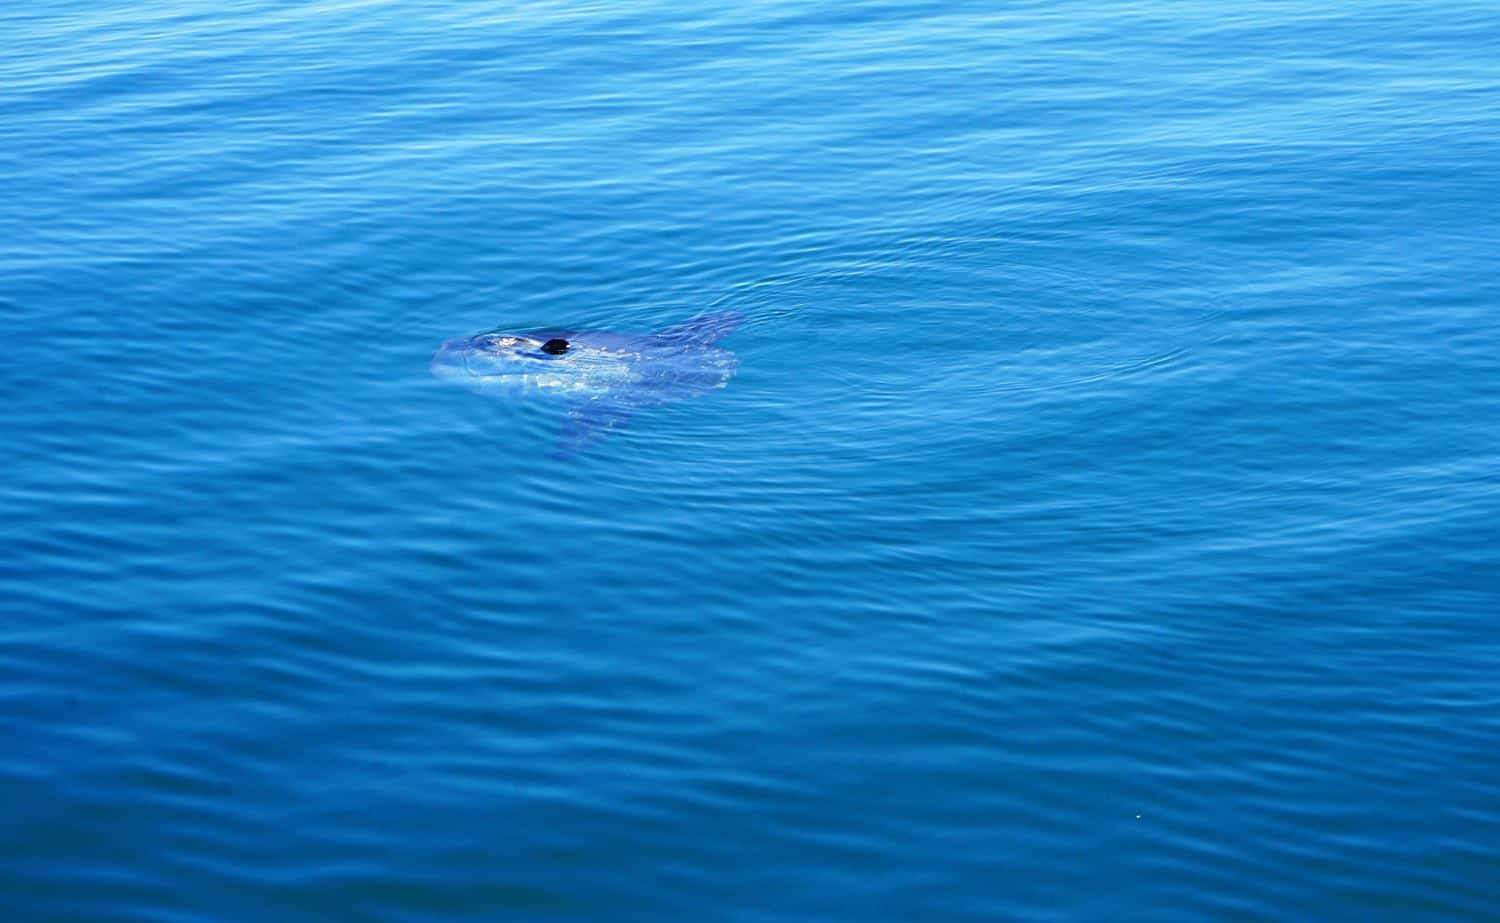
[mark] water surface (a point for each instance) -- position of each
(1101, 524)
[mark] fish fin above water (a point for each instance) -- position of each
(703, 330)
(587, 423)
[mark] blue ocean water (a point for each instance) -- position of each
(1103, 521)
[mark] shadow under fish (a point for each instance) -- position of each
(604, 377)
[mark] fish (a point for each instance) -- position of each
(602, 377)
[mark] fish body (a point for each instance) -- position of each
(603, 376)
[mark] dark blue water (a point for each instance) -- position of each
(1103, 522)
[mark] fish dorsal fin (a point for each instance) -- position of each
(703, 330)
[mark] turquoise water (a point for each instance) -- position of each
(1101, 522)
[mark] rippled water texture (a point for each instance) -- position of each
(1101, 522)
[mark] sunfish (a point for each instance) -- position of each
(603, 377)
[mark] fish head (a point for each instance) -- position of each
(507, 363)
